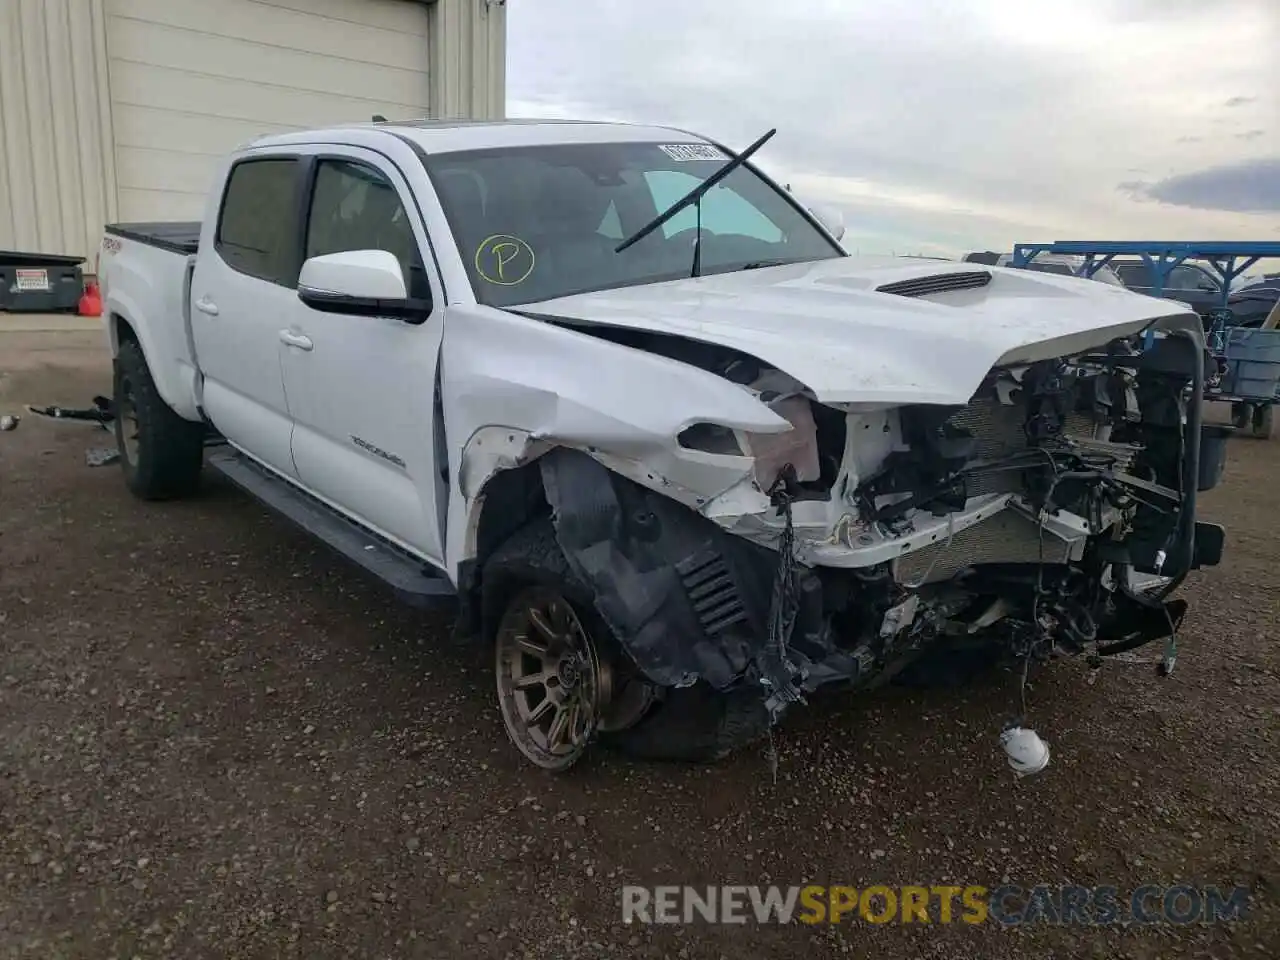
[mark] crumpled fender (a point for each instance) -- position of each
(687, 600)
(514, 387)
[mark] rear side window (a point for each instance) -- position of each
(1134, 274)
(1187, 277)
(257, 226)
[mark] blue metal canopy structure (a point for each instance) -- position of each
(1229, 258)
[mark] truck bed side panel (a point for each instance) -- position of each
(176, 236)
(144, 285)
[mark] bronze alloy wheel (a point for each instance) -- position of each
(553, 686)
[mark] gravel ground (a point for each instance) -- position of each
(216, 740)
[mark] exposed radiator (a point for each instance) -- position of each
(998, 428)
(1007, 537)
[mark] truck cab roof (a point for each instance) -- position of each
(448, 136)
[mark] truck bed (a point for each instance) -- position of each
(176, 236)
(144, 271)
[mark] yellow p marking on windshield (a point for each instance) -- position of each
(504, 260)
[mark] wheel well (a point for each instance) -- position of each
(512, 499)
(121, 332)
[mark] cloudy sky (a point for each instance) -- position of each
(946, 126)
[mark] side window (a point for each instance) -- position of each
(1186, 277)
(355, 207)
(723, 211)
(1133, 274)
(256, 224)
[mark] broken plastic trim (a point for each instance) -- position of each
(687, 600)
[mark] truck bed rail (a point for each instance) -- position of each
(176, 236)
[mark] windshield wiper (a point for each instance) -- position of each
(695, 196)
(757, 264)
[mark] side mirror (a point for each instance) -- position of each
(360, 283)
(830, 218)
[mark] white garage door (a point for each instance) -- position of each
(192, 79)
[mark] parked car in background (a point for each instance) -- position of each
(1194, 284)
(1252, 304)
(1199, 286)
(1063, 265)
(1255, 278)
(987, 257)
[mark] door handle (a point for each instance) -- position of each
(207, 306)
(296, 340)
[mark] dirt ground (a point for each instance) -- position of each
(217, 740)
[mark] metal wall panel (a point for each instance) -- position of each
(469, 40)
(57, 176)
(192, 80)
(59, 140)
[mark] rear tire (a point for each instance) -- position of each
(160, 453)
(693, 724)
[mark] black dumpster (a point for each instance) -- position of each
(40, 282)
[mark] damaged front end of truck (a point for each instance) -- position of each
(1052, 514)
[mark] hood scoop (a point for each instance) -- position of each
(938, 283)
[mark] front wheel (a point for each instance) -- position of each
(160, 452)
(564, 681)
(552, 683)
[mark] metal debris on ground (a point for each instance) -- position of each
(101, 456)
(8, 422)
(102, 412)
(1027, 753)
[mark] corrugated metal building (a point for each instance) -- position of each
(118, 109)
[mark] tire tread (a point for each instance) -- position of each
(170, 449)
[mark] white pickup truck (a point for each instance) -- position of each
(681, 459)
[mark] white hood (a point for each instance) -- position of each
(826, 325)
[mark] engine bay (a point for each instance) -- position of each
(1021, 518)
(1021, 522)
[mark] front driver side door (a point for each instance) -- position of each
(362, 389)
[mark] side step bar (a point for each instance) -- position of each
(412, 581)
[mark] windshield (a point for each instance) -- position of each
(1105, 274)
(533, 223)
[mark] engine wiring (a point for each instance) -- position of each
(1068, 480)
(1040, 633)
(778, 672)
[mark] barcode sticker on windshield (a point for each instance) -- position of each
(691, 151)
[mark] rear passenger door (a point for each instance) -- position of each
(242, 290)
